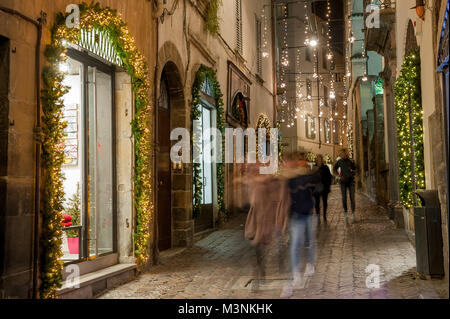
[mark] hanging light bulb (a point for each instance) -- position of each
(300, 95)
(365, 78)
(313, 42)
(64, 67)
(332, 95)
(283, 85)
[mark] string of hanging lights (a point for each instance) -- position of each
(265, 31)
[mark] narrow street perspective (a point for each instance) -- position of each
(222, 265)
(224, 149)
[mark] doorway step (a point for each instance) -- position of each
(95, 283)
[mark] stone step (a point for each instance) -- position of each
(95, 283)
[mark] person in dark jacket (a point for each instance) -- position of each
(323, 188)
(301, 183)
(346, 169)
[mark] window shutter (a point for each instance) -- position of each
(239, 44)
(258, 46)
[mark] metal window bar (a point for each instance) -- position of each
(382, 4)
(99, 43)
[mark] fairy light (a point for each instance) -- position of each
(265, 30)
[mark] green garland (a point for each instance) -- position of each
(212, 18)
(408, 100)
(280, 142)
(107, 20)
(203, 73)
(263, 122)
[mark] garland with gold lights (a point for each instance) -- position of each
(409, 113)
(107, 20)
(203, 73)
(280, 142)
(263, 122)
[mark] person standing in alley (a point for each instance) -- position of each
(346, 169)
(323, 188)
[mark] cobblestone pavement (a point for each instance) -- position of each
(222, 264)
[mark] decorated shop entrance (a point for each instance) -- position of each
(78, 143)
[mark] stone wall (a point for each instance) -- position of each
(18, 113)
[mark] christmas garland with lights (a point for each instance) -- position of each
(107, 20)
(409, 113)
(203, 73)
(280, 142)
(263, 122)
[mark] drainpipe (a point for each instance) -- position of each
(38, 24)
(155, 151)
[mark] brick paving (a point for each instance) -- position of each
(222, 265)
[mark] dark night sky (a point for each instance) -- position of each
(337, 21)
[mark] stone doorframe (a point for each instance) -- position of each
(169, 62)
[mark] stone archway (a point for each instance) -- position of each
(177, 184)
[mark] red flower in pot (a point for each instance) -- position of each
(67, 222)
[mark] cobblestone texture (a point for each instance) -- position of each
(222, 265)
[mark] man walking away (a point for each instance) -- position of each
(347, 170)
(323, 189)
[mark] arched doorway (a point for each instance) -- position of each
(170, 102)
(204, 217)
(164, 168)
(239, 120)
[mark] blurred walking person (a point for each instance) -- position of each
(323, 188)
(268, 216)
(346, 169)
(301, 183)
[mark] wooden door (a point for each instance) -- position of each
(164, 181)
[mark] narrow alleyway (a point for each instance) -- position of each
(222, 264)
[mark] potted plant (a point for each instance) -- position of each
(74, 212)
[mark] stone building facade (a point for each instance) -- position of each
(22, 176)
(235, 56)
(412, 29)
(311, 121)
(176, 45)
(401, 30)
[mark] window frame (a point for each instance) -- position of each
(310, 134)
(110, 69)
